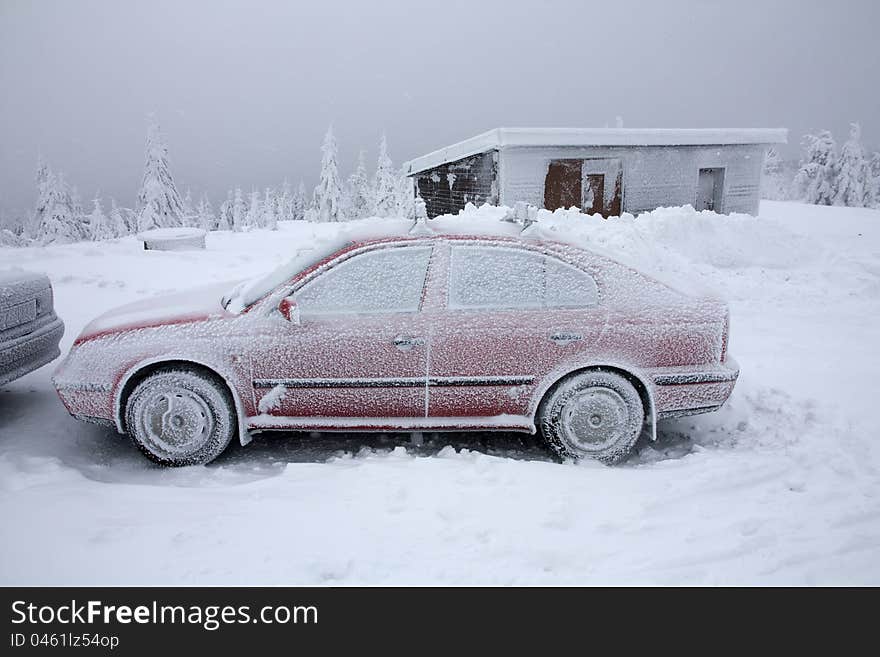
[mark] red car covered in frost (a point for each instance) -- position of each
(407, 333)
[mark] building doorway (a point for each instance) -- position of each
(710, 189)
(594, 194)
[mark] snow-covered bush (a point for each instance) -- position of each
(855, 185)
(815, 181)
(773, 185)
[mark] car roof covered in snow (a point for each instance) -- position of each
(467, 225)
(499, 138)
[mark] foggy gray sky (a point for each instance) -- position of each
(245, 91)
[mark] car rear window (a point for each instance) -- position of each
(500, 277)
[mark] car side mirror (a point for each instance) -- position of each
(289, 310)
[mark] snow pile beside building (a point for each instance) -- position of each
(671, 243)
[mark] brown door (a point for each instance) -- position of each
(594, 199)
(562, 187)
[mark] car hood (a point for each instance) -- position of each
(192, 305)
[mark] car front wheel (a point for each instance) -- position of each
(596, 414)
(178, 416)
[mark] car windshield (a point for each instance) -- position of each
(250, 291)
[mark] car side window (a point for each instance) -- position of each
(386, 280)
(499, 277)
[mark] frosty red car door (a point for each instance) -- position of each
(512, 316)
(360, 348)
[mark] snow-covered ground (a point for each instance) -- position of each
(780, 487)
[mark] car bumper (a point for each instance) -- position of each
(680, 391)
(31, 351)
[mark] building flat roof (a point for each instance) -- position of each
(499, 138)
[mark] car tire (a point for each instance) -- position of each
(595, 414)
(179, 416)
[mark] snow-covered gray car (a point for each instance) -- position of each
(29, 328)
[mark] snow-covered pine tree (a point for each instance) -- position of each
(270, 208)
(772, 177)
(239, 211)
(158, 202)
(328, 193)
(405, 196)
(816, 179)
(131, 219)
(254, 217)
(299, 202)
(43, 198)
(98, 224)
(358, 202)
(854, 181)
(190, 213)
(384, 183)
(58, 225)
(78, 211)
(118, 225)
(285, 203)
(224, 217)
(875, 177)
(206, 219)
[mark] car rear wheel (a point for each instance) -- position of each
(178, 416)
(595, 414)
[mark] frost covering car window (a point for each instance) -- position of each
(498, 277)
(386, 280)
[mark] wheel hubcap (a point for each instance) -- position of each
(594, 419)
(176, 421)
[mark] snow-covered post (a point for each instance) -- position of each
(158, 203)
(420, 213)
(328, 193)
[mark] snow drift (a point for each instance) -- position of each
(780, 487)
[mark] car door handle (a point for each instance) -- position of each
(563, 338)
(405, 343)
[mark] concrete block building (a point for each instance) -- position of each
(602, 171)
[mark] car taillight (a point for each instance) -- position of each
(725, 333)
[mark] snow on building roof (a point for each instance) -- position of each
(499, 138)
